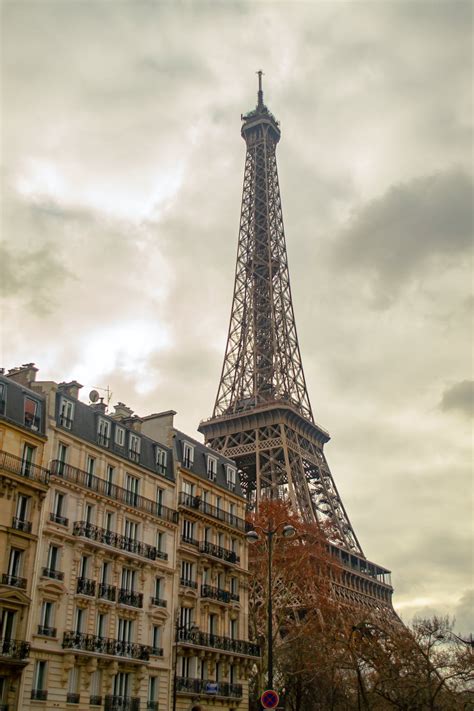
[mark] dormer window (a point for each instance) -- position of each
(31, 418)
(134, 448)
(188, 455)
(3, 393)
(211, 468)
(103, 432)
(66, 413)
(231, 476)
(120, 436)
(160, 460)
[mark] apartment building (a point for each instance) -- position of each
(124, 559)
(23, 488)
(213, 656)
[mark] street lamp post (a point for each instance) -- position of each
(252, 536)
(179, 628)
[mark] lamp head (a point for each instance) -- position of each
(252, 536)
(288, 530)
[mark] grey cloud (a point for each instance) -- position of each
(464, 613)
(411, 226)
(459, 397)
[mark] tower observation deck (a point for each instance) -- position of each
(262, 415)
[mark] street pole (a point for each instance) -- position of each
(270, 610)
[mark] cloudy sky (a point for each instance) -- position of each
(122, 168)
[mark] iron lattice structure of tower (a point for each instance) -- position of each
(262, 415)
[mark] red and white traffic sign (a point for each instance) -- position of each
(269, 699)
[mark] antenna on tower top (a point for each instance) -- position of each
(260, 90)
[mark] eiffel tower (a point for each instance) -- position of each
(262, 414)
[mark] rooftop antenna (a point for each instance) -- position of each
(260, 90)
(106, 390)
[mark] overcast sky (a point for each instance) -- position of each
(122, 167)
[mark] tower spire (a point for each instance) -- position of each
(260, 90)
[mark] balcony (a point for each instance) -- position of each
(20, 525)
(14, 581)
(121, 703)
(129, 597)
(185, 582)
(103, 645)
(197, 504)
(46, 631)
(116, 540)
(57, 518)
(15, 465)
(187, 685)
(226, 644)
(157, 651)
(107, 592)
(116, 493)
(189, 541)
(14, 649)
(235, 597)
(72, 698)
(39, 694)
(53, 574)
(159, 602)
(95, 701)
(215, 593)
(219, 552)
(85, 587)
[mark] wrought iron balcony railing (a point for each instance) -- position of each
(20, 525)
(57, 518)
(152, 706)
(72, 698)
(103, 440)
(159, 602)
(215, 593)
(14, 648)
(190, 541)
(206, 686)
(39, 694)
(46, 631)
(130, 597)
(235, 597)
(16, 465)
(121, 703)
(185, 582)
(95, 700)
(117, 493)
(53, 574)
(104, 645)
(196, 503)
(107, 592)
(85, 587)
(14, 581)
(227, 644)
(157, 651)
(116, 540)
(65, 422)
(218, 552)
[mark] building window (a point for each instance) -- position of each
(14, 565)
(207, 535)
(161, 541)
(234, 546)
(90, 467)
(7, 624)
(156, 639)
(234, 586)
(101, 625)
(3, 398)
(53, 557)
(160, 460)
(119, 436)
(79, 620)
(27, 459)
(132, 484)
(109, 521)
(89, 513)
(185, 667)
(231, 473)
(122, 684)
(130, 529)
(188, 531)
(187, 573)
(96, 688)
(39, 690)
(73, 693)
(31, 418)
(153, 692)
(84, 567)
(128, 579)
(66, 413)
(103, 432)
(59, 507)
(22, 505)
(134, 447)
(104, 573)
(188, 455)
(211, 468)
(109, 480)
(125, 630)
(62, 458)
(212, 623)
(46, 619)
(185, 617)
(233, 631)
(188, 488)
(218, 502)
